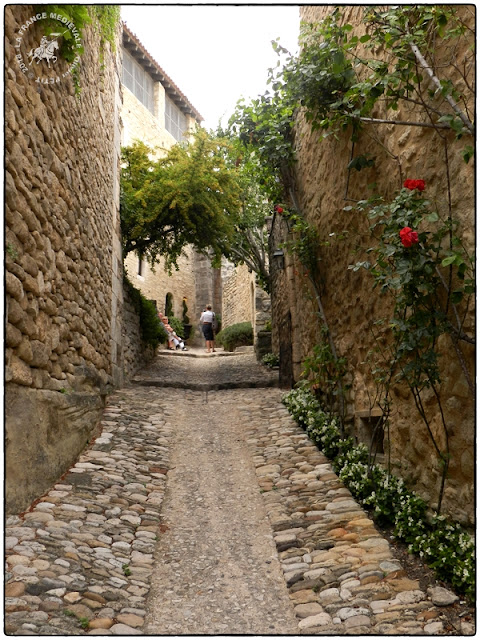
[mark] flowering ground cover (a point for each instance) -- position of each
(443, 545)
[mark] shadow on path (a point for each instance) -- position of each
(197, 371)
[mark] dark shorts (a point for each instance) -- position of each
(207, 331)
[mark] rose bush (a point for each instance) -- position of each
(414, 184)
(408, 237)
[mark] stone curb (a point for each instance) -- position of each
(340, 571)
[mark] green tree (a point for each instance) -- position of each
(250, 242)
(188, 197)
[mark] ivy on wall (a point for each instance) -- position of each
(103, 17)
(343, 75)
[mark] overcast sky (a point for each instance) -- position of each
(215, 54)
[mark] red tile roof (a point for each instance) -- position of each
(136, 48)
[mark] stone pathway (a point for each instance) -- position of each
(207, 511)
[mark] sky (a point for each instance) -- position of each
(215, 54)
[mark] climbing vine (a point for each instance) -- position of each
(103, 17)
(415, 255)
(340, 80)
(418, 59)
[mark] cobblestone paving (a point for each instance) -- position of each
(207, 512)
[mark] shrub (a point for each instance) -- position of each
(185, 317)
(177, 326)
(236, 335)
(271, 360)
(151, 329)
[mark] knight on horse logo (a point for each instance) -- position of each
(50, 44)
(46, 50)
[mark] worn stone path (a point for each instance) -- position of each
(207, 511)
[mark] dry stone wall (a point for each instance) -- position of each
(238, 297)
(63, 258)
(136, 354)
(156, 284)
(352, 306)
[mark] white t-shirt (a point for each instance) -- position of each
(207, 316)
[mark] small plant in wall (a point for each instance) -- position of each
(271, 360)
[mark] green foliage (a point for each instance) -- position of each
(177, 326)
(249, 245)
(271, 360)
(169, 305)
(265, 128)
(104, 18)
(187, 197)
(84, 622)
(427, 278)
(107, 18)
(79, 15)
(236, 335)
(152, 330)
(325, 373)
(185, 318)
(339, 77)
(12, 251)
(445, 546)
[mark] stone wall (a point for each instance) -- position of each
(63, 267)
(140, 124)
(245, 301)
(156, 284)
(238, 297)
(136, 354)
(352, 306)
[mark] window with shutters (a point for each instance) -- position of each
(175, 120)
(138, 81)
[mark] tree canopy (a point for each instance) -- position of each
(189, 196)
(202, 193)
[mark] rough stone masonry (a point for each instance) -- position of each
(63, 255)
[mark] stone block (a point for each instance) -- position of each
(15, 313)
(40, 354)
(13, 336)
(24, 351)
(59, 426)
(13, 286)
(19, 372)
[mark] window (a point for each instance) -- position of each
(138, 81)
(175, 121)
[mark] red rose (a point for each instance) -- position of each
(408, 237)
(414, 184)
(278, 209)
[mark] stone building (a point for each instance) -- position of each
(324, 188)
(157, 113)
(244, 301)
(63, 252)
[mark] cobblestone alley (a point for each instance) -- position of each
(201, 508)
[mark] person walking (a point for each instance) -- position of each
(206, 319)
